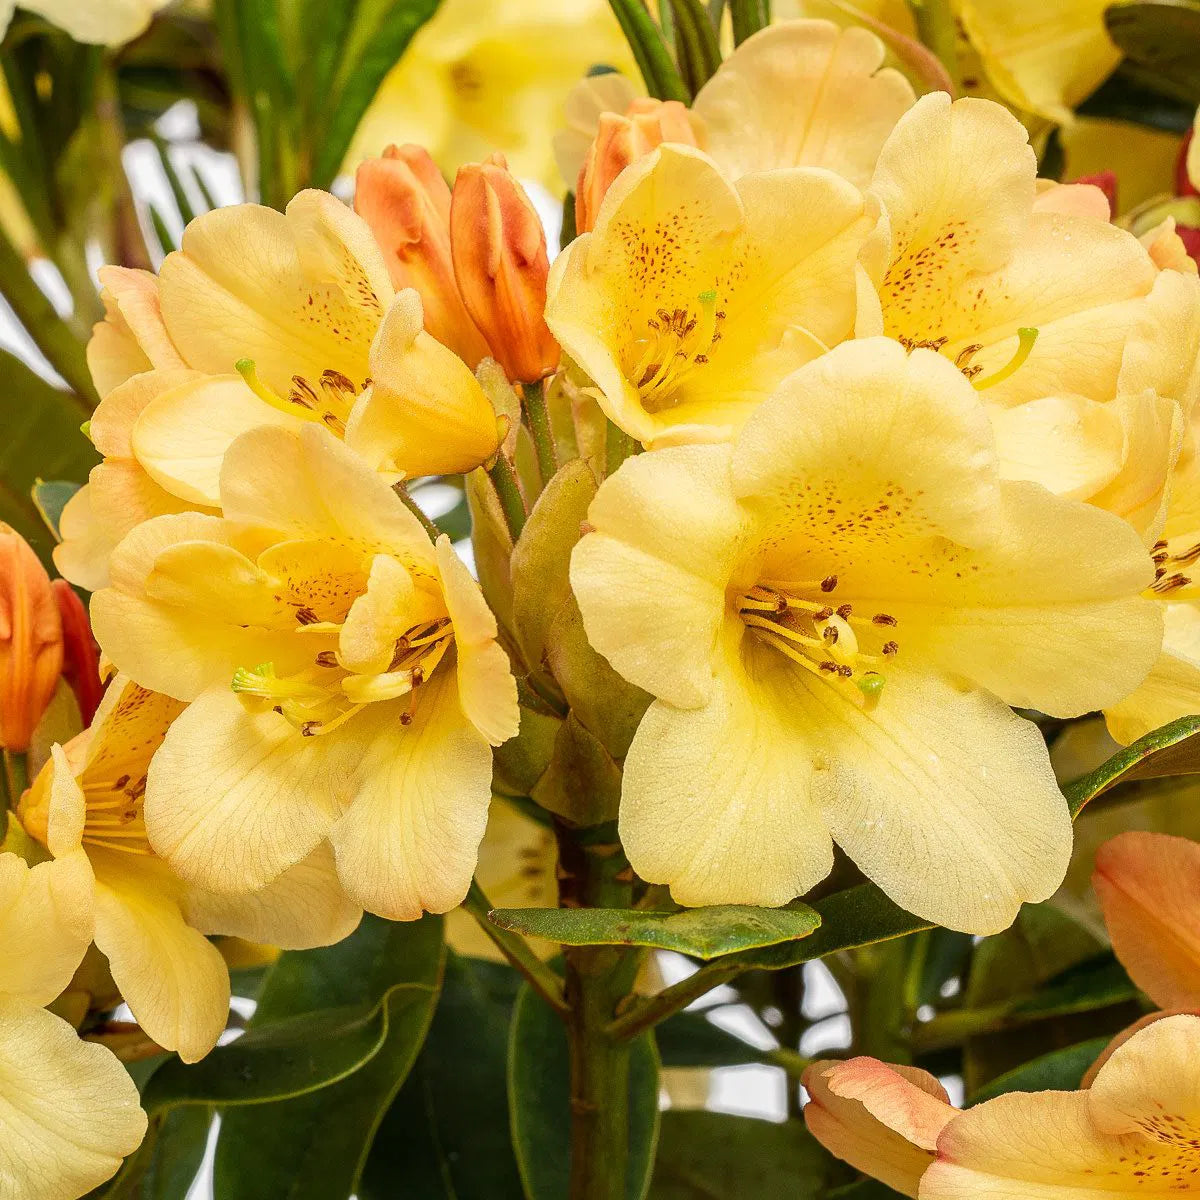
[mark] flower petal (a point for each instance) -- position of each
(173, 979)
(1148, 885)
(716, 800)
(132, 338)
(803, 93)
(409, 840)
(69, 1112)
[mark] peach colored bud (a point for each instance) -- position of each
(81, 660)
(406, 202)
(622, 140)
(501, 264)
(31, 643)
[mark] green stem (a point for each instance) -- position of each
(541, 978)
(649, 1012)
(413, 507)
(537, 419)
(618, 446)
(504, 480)
(130, 244)
(16, 777)
(937, 29)
(49, 332)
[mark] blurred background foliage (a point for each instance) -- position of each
(389, 1056)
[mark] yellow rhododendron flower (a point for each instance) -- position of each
(341, 677)
(1148, 885)
(69, 1112)
(262, 318)
(97, 22)
(882, 1119)
(1133, 1131)
(479, 79)
(693, 296)
(148, 922)
(836, 615)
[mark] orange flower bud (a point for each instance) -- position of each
(31, 643)
(501, 264)
(81, 660)
(404, 199)
(622, 140)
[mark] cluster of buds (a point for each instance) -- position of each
(476, 255)
(44, 637)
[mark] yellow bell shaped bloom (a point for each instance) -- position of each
(482, 78)
(341, 677)
(69, 1112)
(803, 94)
(1041, 58)
(1133, 1131)
(835, 616)
(882, 1119)
(969, 255)
(148, 923)
(110, 23)
(693, 296)
(1148, 885)
(263, 318)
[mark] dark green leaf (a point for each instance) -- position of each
(1062, 1070)
(41, 437)
(178, 1151)
(374, 39)
(315, 1146)
(49, 498)
(865, 1189)
(1162, 36)
(1172, 750)
(445, 1136)
(701, 932)
(690, 1039)
(539, 1091)
(749, 16)
(713, 1156)
(1141, 97)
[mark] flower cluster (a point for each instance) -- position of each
(858, 444)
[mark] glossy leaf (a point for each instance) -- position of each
(702, 1155)
(316, 1145)
(1172, 750)
(701, 932)
(50, 497)
(690, 1039)
(1162, 36)
(178, 1152)
(446, 1137)
(539, 1090)
(1061, 1070)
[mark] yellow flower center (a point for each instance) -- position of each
(113, 814)
(804, 623)
(329, 400)
(674, 344)
(324, 696)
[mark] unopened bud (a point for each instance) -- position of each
(500, 262)
(622, 140)
(31, 641)
(406, 202)
(1106, 181)
(81, 660)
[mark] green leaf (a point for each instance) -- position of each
(581, 782)
(375, 37)
(315, 1146)
(539, 1091)
(1060, 1071)
(714, 1156)
(178, 1151)
(701, 932)
(690, 1039)
(650, 51)
(50, 498)
(1141, 97)
(1172, 750)
(41, 437)
(1162, 36)
(445, 1136)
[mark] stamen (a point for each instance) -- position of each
(1025, 341)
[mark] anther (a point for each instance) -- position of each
(309, 728)
(823, 614)
(845, 672)
(884, 619)
(829, 583)
(327, 658)
(890, 648)
(830, 634)
(306, 616)
(845, 611)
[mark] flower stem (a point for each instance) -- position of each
(541, 978)
(504, 480)
(618, 446)
(537, 418)
(413, 507)
(649, 1012)
(936, 28)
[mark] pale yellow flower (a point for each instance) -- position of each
(693, 296)
(835, 616)
(148, 922)
(69, 1112)
(262, 318)
(341, 676)
(97, 22)
(479, 79)
(1134, 1130)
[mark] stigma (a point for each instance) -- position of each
(328, 400)
(803, 622)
